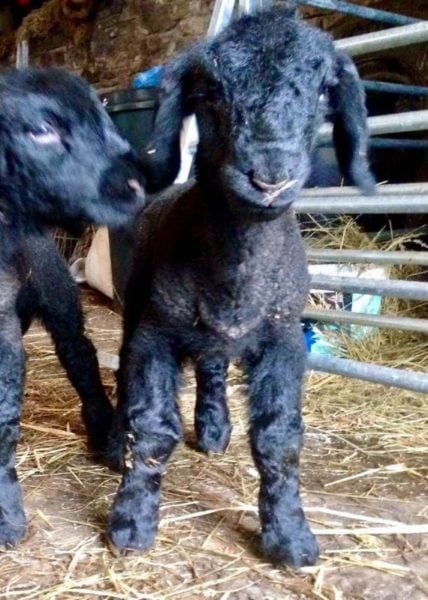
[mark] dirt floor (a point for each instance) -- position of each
(364, 478)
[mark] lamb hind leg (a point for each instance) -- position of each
(12, 365)
(59, 307)
(12, 517)
(78, 357)
(275, 380)
(212, 421)
(148, 384)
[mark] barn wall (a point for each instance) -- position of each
(123, 37)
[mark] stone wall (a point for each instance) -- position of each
(123, 37)
(132, 35)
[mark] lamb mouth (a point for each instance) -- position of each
(270, 196)
(261, 196)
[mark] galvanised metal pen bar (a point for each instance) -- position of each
(356, 205)
(401, 198)
(364, 12)
(354, 318)
(221, 16)
(408, 144)
(379, 257)
(416, 120)
(400, 378)
(384, 40)
(386, 143)
(251, 6)
(408, 380)
(395, 88)
(396, 288)
(386, 189)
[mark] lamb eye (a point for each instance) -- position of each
(212, 96)
(209, 96)
(44, 134)
(196, 97)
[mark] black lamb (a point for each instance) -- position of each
(61, 163)
(220, 271)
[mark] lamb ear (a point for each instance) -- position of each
(161, 158)
(350, 132)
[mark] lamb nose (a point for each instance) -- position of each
(268, 187)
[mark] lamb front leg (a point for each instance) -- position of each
(212, 421)
(151, 425)
(12, 368)
(275, 381)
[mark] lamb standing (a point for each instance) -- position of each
(220, 271)
(61, 162)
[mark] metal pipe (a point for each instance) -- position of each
(395, 88)
(251, 6)
(380, 257)
(408, 380)
(397, 288)
(363, 12)
(221, 16)
(408, 144)
(380, 321)
(385, 39)
(381, 190)
(416, 120)
(387, 143)
(355, 205)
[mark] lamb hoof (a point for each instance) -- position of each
(99, 426)
(111, 450)
(98, 446)
(300, 550)
(12, 527)
(213, 439)
(113, 457)
(125, 534)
